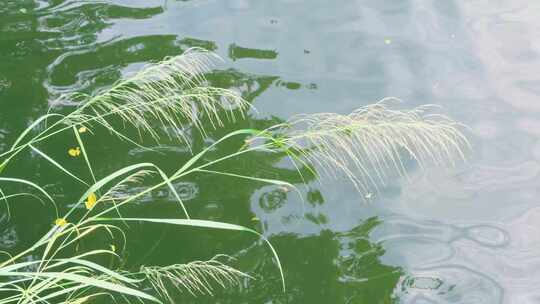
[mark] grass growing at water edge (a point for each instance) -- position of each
(364, 146)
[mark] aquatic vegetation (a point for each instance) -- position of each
(169, 92)
(174, 95)
(370, 142)
(194, 277)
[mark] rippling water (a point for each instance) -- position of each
(470, 235)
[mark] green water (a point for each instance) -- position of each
(465, 235)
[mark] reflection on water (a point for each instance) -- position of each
(466, 236)
(467, 263)
(327, 268)
(4, 83)
(8, 238)
(237, 52)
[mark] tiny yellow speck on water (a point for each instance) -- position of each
(91, 202)
(74, 152)
(60, 222)
(387, 41)
(83, 129)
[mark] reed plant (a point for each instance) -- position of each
(364, 147)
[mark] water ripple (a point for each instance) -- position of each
(448, 284)
(464, 262)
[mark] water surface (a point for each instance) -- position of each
(466, 235)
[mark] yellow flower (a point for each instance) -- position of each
(74, 152)
(91, 202)
(113, 248)
(83, 129)
(60, 222)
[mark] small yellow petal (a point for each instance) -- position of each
(83, 129)
(60, 222)
(113, 248)
(74, 152)
(92, 197)
(91, 202)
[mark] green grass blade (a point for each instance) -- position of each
(4, 197)
(87, 281)
(3, 165)
(96, 267)
(102, 182)
(84, 153)
(206, 224)
(11, 268)
(31, 127)
(195, 158)
(257, 179)
(56, 164)
(262, 180)
(29, 183)
(173, 190)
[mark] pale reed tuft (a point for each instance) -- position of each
(172, 94)
(195, 277)
(369, 143)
